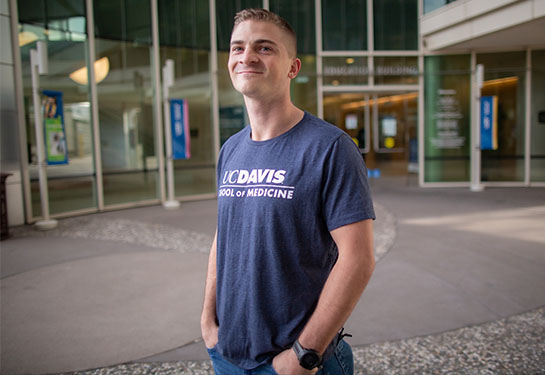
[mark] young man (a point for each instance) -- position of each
(294, 245)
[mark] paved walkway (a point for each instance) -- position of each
(458, 289)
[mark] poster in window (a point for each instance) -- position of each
(54, 132)
(181, 146)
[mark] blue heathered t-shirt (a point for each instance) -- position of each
(278, 200)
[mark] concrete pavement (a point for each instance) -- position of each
(126, 286)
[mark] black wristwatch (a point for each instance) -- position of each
(308, 358)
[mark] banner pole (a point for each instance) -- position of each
(168, 80)
(476, 128)
(37, 66)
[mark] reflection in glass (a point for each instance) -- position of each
(101, 69)
(447, 118)
(188, 45)
(504, 78)
(125, 102)
(71, 186)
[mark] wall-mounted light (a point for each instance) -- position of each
(26, 37)
(501, 81)
(383, 100)
(102, 68)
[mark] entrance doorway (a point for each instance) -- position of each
(384, 126)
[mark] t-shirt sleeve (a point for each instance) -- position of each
(346, 198)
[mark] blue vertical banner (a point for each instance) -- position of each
(56, 150)
(179, 122)
(489, 123)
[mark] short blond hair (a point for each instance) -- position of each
(264, 15)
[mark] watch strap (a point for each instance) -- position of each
(300, 352)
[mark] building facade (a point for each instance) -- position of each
(400, 76)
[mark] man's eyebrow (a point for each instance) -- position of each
(261, 41)
(257, 41)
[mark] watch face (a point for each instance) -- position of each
(310, 360)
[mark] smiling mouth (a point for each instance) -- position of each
(248, 72)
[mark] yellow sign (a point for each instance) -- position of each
(356, 141)
(389, 142)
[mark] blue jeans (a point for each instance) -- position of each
(340, 363)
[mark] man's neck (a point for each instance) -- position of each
(269, 120)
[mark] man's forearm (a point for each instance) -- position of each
(209, 306)
(344, 286)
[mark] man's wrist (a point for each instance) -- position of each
(312, 342)
(308, 358)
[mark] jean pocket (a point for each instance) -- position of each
(345, 358)
(212, 349)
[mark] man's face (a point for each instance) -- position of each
(260, 64)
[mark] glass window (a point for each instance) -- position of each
(504, 79)
(344, 25)
(125, 98)
(56, 15)
(300, 15)
(345, 71)
(71, 186)
(188, 45)
(396, 25)
(396, 70)
(350, 112)
(194, 32)
(123, 21)
(537, 163)
(430, 5)
(447, 118)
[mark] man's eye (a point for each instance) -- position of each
(236, 49)
(265, 49)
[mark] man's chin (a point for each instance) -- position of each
(249, 91)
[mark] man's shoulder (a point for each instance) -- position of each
(317, 129)
(237, 138)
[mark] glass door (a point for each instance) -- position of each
(504, 80)
(350, 112)
(383, 125)
(72, 182)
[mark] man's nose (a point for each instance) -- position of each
(249, 56)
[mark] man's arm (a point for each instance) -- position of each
(209, 325)
(341, 293)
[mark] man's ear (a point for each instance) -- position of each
(294, 68)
